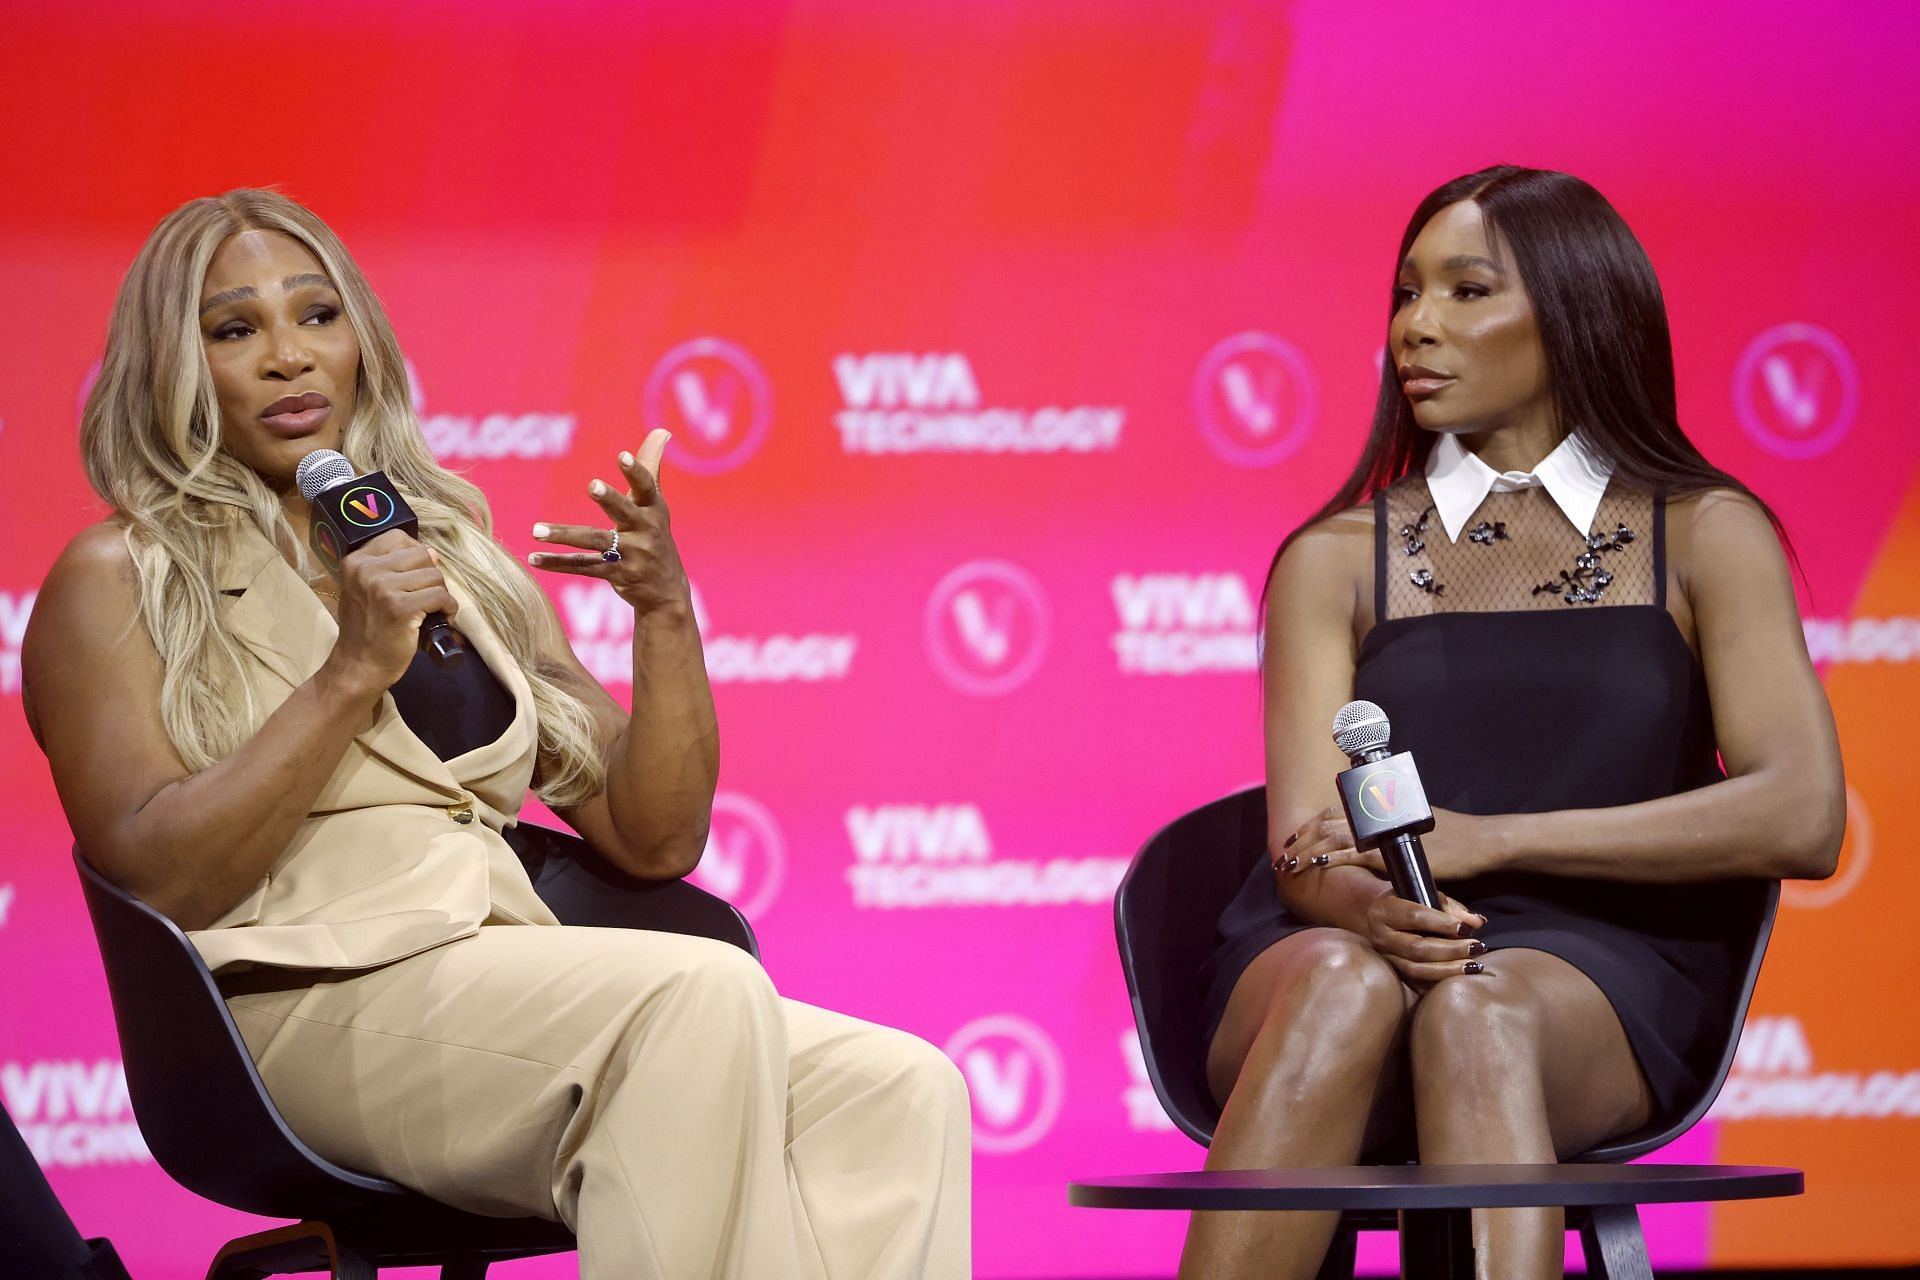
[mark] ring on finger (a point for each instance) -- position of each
(612, 554)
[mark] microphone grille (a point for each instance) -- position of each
(1360, 727)
(320, 471)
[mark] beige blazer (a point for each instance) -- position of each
(401, 850)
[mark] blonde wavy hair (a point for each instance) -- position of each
(150, 437)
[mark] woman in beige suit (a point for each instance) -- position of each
(252, 744)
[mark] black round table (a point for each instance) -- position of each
(1432, 1202)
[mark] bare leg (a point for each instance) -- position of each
(1523, 1064)
(1302, 1056)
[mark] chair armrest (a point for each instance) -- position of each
(582, 888)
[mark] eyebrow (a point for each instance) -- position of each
(1462, 261)
(246, 291)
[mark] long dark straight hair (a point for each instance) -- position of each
(1602, 322)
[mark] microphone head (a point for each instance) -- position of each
(1360, 727)
(320, 471)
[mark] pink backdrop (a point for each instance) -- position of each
(1002, 342)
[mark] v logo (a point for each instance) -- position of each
(1797, 397)
(709, 418)
(1255, 405)
(989, 637)
(723, 867)
(999, 1086)
(370, 508)
(1384, 792)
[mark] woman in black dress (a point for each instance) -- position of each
(1566, 612)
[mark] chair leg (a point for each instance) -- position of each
(1614, 1246)
(1436, 1244)
(305, 1246)
(1338, 1264)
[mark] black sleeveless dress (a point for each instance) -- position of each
(1529, 670)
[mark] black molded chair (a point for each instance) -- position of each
(208, 1120)
(1165, 915)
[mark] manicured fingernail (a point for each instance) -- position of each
(597, 489)
(533, 557)
(1322, 859)
(1290, 840)
(542, 530)
(1476, 948)
(1463, 928)
(626, 459)
(1293, 864)
(1482, 919)
(1474, 966)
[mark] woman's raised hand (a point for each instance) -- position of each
(387, 588)
(636, 556)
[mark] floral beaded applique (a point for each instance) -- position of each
(1486, 534)
(1587, 581)
(1415, 534)
(1423, 579)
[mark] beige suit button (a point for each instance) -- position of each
(462, 812)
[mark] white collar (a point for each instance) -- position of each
(1573, 475)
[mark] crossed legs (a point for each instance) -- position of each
(1525, 1063)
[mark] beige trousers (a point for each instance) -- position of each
(649, 1090)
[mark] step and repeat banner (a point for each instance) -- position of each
(1001, 343)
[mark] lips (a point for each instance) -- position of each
(298, 414)
(1418, 380)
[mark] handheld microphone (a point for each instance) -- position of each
(349, 511)
(1385, 803)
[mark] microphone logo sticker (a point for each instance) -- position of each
(1254, 399)
(1796, 390)
(745, 860)
(366, 506)
(1015, 1077)
(715, 399)
(987, 627)
(1380, 794)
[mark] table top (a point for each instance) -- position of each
(1455, 1186)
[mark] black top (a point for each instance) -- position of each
(1528, 670)
(453, 709)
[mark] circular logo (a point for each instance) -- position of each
(1380, 794)
(326, 544)
(367, 506)
(1015, 1077)
(1254, 399)
(715, 399)
(987, 627)
(1856, 851)
(746, 857)
(1796, 390)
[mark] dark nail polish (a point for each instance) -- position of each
(1463, 929)
(1476, 948)
(1474, 966)
(1289, 843)
(1293, 864)
(1321, 859)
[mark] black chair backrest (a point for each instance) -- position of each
(582, 888)
(1749, 907)
(202, 1108)
(1164, 914)
(1170, 901)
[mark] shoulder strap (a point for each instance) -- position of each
(1379, 556)
(1660, 549)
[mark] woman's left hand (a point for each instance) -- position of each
(646, 572)
(1460, 845)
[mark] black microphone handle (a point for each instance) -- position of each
(443, 643)
(1407, 869)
